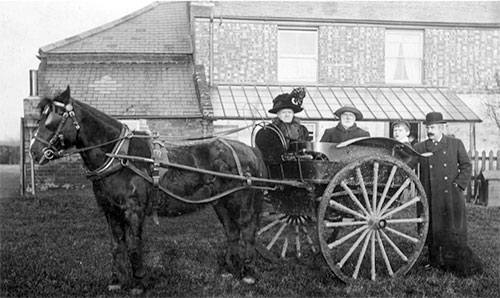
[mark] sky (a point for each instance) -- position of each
(26, 26)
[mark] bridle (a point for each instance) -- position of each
(57, 121)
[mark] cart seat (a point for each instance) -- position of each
(272, 143)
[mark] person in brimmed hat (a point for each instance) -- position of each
(401, 131)
(445, 175)
(346, 129)
(285, 106)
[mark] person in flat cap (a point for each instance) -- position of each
(445, 175)
(346, 129)
(285, 106)
(401, 131)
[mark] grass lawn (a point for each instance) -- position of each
(57, 245)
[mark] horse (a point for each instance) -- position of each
(129, 190)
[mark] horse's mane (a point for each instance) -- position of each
(43, 103)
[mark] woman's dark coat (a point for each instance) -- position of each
(339, 133)
(293, 131)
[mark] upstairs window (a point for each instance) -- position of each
(298, 55)
(403, 56)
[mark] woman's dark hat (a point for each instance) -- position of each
(401, 123)
(342, 110)
(289, 101)
(434, 118)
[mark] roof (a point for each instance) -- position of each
(377, 103)
(466, 12)
(156, 28)
(133, 90)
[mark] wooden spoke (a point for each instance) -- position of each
(404, 206)
(384, 254)
(362, 255)
(406, 220)
(352, 249)
(398, 251)
(396, 195)
(285, 247)
(297, 241)
(363, 189)
(270, 225)
(341, 207)
(353, 197)
(412, 239)
(375, 184)
(277, 235)
(335, 224)
(386, 188)
(373, 256)
(347, 237)
(309, 239)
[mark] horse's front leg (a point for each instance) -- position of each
(135, 211)
(119, 252)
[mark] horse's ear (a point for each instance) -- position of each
(66, 95)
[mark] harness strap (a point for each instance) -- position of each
(157, 156)
(112, 164)
(235, 156)
(144, 175)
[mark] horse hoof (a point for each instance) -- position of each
(249, 280)
(114, 288)
(136, 291)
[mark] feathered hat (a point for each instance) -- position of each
(289, 101)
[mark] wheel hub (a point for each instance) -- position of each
(377, 224)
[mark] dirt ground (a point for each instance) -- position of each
(10, 184)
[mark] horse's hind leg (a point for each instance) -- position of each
(119, 252)
(248, 223)
(239, 215)
(232, 237)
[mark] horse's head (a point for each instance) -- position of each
(54, 132)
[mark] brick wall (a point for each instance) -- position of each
(463, 59)
(243, 52)
(351, 55)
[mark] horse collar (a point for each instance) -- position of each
(113, 164)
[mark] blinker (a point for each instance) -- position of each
(52, 121)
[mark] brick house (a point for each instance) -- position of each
(183, 68)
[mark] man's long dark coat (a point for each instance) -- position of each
(444, 176)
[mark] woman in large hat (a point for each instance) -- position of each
(285, 106)
(346, 129)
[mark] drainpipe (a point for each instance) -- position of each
(211, 50)
(33, 82)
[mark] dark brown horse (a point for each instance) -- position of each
(125, 189)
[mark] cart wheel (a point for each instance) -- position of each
(373, 219)
(287, 231)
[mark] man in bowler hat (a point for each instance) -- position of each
(445, 175)
(346, 129)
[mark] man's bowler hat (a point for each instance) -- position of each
(434, 118)
(342, 110)
(289, 101)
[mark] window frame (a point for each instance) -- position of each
(419, 33)
(297, 56)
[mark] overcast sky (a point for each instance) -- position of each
(26, 26)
